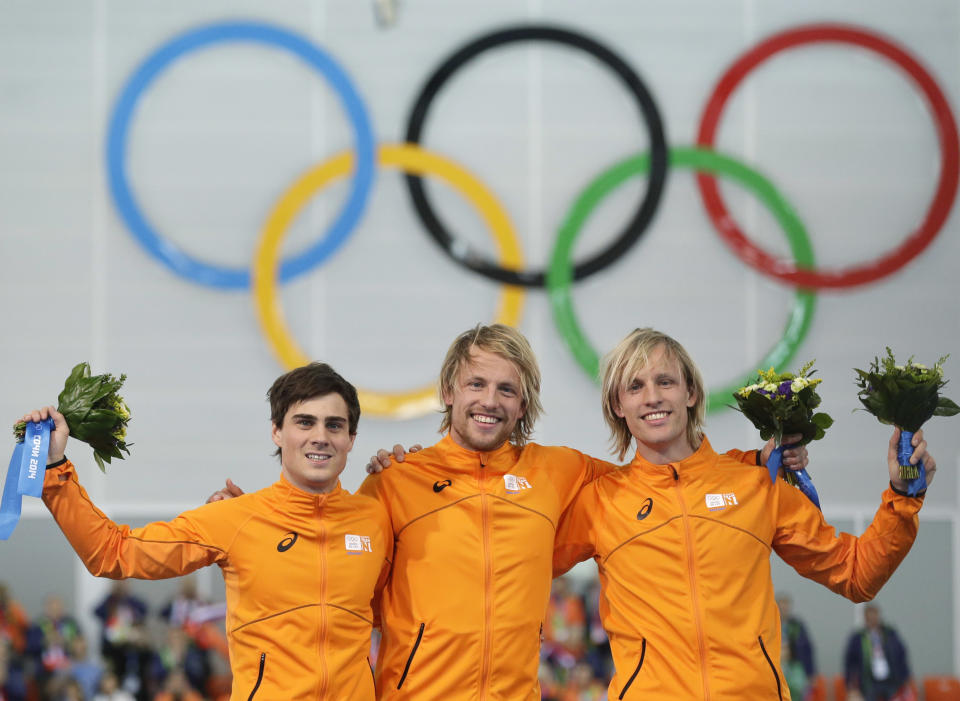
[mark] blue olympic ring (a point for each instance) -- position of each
(168, 253)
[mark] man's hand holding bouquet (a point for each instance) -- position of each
(90, 409)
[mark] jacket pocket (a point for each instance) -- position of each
(643, 652)
(413, 652)
(773, 667)
(263, 662)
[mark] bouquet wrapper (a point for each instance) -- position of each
(904, 451)
(804, 482)
(25, 474)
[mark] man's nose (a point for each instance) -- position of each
(489, 397)
(651, 395)
(319, 435)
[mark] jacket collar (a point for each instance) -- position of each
(458, 458)
(702, 458)
(294, 498)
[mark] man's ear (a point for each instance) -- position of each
(275, 434)
(616, 408)
(447, 396)
(691, 397)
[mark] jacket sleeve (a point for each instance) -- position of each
(853, 567)
(384, 572)
(575, 540)
(748, 457)
(156, 551)
(596, 468)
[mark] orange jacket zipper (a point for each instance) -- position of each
(324, 674)
(695, 597)
(487, 594)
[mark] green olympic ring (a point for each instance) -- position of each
(560, 274)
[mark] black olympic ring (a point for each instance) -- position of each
(658, 151)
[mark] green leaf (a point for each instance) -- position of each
(822, 421)
(946, 407)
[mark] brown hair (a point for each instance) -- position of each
(307, 382)
(509, 344)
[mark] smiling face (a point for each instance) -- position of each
(654, 405)
(314, 441)
(485, 401)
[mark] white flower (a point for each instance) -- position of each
(798, 384)
(770, 387)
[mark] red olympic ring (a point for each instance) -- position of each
(940, 206)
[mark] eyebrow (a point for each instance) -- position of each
(295, 417)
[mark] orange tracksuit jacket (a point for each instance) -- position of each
(683, 551)
(301, 571)
(463, 610)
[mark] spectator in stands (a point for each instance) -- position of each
(110, 689)
(177, 688)
(82, 669)
(70, 690)
(564, 628)
(598, 644)
(49, 639)
(180, 654)
(13, 684)
(122, 616)
(796, 650)
(13, 621)
(583, 686)
(876, 665)
(195, 617)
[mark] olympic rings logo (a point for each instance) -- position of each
(416, 161)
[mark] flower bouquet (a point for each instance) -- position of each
(781, 404)
(905, 396)
(95, 413)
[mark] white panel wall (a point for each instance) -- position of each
(222, 134)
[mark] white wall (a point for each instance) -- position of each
(223, 133)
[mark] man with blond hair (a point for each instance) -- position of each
(702, 622)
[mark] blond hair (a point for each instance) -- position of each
(510, 345)
(621, 364)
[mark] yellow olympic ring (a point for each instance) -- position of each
(410, 159)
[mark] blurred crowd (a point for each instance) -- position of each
(169, 657)
(180, 654)
(575, 662)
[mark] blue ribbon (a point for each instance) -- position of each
(904, 451)
(804, 482)
(25, 474)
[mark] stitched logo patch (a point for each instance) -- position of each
(356, 544)
(718, 502)
(515, 484)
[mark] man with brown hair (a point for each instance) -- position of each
(302, 559)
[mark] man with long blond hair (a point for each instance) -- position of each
(682, 537)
